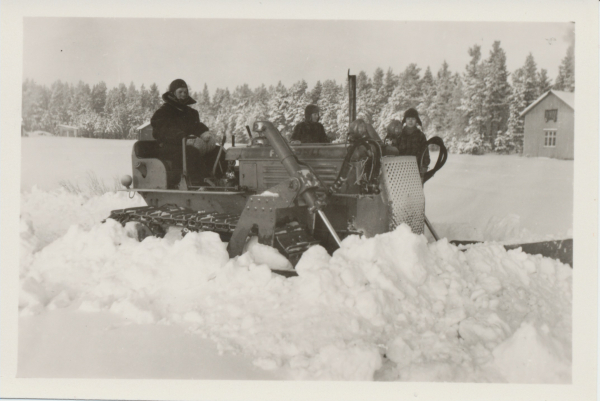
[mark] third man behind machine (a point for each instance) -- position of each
(310, 130)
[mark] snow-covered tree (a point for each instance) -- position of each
(315, 94)
(278, 107)
(527, 85)
(497, 92)
(531, 90)
(427, 105)
(298, 99)
(99, 97)
(379, 95)
(441, 110)
(60, 100)
(473, 105)
(544, 83)
(154, 97)
(221, 109)
(406, 94)
(343, 113)
(389, 84)
(366, 107)
(35, 104)
(565, 81)
(328, 104)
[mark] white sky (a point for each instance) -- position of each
(228, 52)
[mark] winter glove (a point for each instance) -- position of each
(205, 143)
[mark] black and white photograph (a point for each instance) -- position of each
(231, 199)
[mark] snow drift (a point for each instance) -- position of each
(392, 307)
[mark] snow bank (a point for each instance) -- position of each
(49, 214)
(391, 307)
(507, 229)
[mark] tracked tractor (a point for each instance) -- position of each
(291, 196)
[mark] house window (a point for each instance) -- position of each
(549, 139)
(551, 115)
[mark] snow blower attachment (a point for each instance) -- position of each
(271, 192)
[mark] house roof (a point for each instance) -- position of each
(567, 97)
(67, 126)
(144, 125)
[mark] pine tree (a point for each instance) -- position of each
(99, 97)
(459, 118)
(428, 93)
(35, 102)
(245, 113)
(328, 104)
(473, 105)
(441, 110)
(342, 112)
(240, 102)
(378, 95)
(315, 94)
(365, 98)
(154, 97)
(204, 107)
(544, 83)
(298, 99)
(389, 84)
(278, 107)
(565, 81)
(60, 100)
(377, 79)
(221, 109)
(497, 92)
(407, 94)
(527, 85)
(512, 141)
(530, 80)
(146, 103)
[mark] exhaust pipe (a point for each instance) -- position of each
(351, 97)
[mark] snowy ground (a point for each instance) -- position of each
(394, 307)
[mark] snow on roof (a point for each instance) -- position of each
(567, 97)
(144, 125)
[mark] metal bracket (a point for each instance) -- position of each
(260, 214)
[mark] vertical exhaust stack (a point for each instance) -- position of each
(351, 97)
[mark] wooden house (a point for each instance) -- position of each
(68, 130)
(549, 126)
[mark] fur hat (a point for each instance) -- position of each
(394, 128)
(412, 112)
(309, 110)
(178, 83)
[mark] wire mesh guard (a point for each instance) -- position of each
(404, 192)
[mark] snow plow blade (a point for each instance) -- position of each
(560, 249)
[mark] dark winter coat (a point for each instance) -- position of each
(172, 122)
(411, 143)
(308, 131)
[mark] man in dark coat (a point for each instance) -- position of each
(173, 121)
(310, 130)
(409, 139)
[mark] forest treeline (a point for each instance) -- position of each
(474, 111)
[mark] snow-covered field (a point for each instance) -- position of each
(96, 303)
